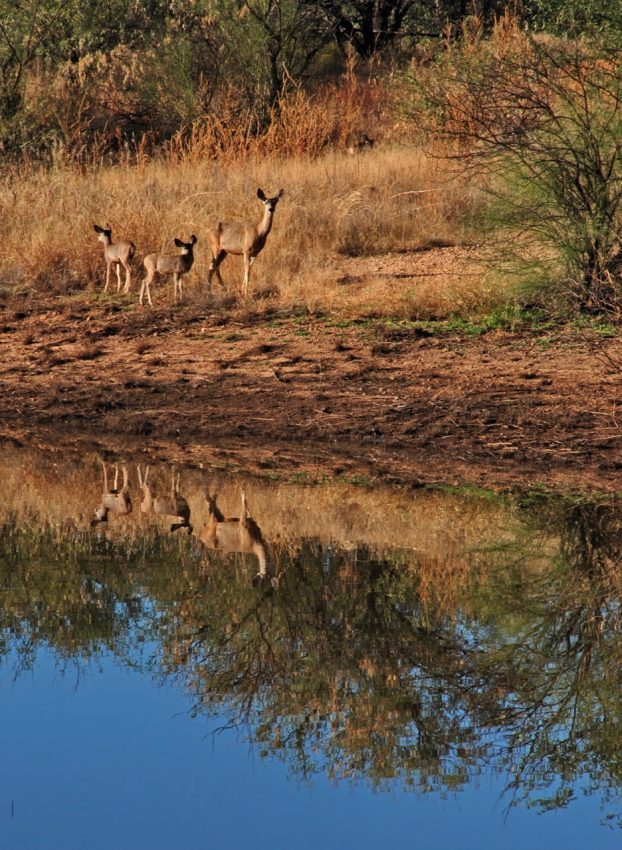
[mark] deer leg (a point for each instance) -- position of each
(116, 265)
(248, 262)
(215, 268)
(128, 278)
(177, 287)
(107, 277)
(145, 288)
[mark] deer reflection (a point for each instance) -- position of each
(369, 663)
(237, 534)
(113, 500)
(174, 505)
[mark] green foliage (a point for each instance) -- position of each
(89, 26)
(542, 122)
(266, 46)
(576, 17)
(377, 668)
(59, 31)
(372, 27)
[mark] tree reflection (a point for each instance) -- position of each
(337, 675)
(356, 664)
(570, 656)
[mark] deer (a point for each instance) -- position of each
(176, 264)
(175, 505)
(116, 254)
(237, 534)
(113, 499)
(358, 141)
(241, 238)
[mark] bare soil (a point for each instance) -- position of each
(299, 395)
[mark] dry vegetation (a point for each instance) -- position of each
(382, 231)
(352, 208)
(447, 538)
(359, 233)
(389, 199)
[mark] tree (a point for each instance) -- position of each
(26, 27)
(88, 26)
(543, 122)
(59, 31)
(370, 27)
(576, 17)
(267, 46)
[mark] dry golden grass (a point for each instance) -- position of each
(389, 199)
(448, 543)
(47, 489)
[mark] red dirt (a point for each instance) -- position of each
(302, 396)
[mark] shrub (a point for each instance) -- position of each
(542, 120)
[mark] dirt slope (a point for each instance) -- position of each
(304, 396)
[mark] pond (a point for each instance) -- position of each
(195, 658)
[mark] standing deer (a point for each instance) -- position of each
(238, 534)
(175, 505)
(113, 499)
(176, 264)
(116, 254)
(241, 238)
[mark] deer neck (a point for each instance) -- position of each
(265, 225)
(259, 550)
(187, 259)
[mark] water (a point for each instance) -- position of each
(426, 669)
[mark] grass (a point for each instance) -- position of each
(357, 241)
(337, 209)
(43, 486)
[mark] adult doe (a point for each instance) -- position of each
(237, 534)
(176, 264)
(116, 254)
(242, 238)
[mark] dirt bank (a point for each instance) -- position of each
(298, 395)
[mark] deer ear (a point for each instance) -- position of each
(261, 195)
(98, 229)
(179, 243)
(193, 239)
(281, 192)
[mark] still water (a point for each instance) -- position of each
(303, 666)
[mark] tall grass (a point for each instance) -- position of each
(388, 199)
(346, 207)
(448, 529)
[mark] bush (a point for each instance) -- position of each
(542, 120)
